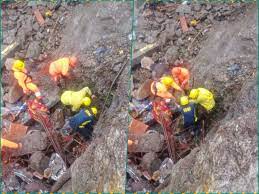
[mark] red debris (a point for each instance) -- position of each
(137, 127)
(39, 17)
(183, 24)
(16, 132)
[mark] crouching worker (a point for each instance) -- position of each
(24, 79)
(77, 99)
(82, 123)
(189, 113)
(61, 67)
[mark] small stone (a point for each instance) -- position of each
(146, 62)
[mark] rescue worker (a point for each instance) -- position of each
(203, 97)
(61, 67)
(77, 99)
(189, 113)
(24, 79)
(10, 144)
(82, 122)
(181, 76)
(166, 88)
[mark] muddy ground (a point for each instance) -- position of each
(222, 51)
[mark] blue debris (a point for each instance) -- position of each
(234, 70)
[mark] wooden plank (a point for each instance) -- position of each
(148, 50)
(183, 24)
(39, 17)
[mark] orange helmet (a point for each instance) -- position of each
(72, 61)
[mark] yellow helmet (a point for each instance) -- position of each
(18, 65)
(184, 100)
(167, 80)
(194, 93)
(94, 110)
(86, 101)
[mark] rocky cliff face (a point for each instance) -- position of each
(227, 65)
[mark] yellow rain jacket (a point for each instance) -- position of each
(205, 99)
(75, 99)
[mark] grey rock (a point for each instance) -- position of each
(150, 162)
(32, 142)
(197, 7)
(14, 94)
(183, 9)
(36, 27)
(9, 63)
(171, 54)
(146, 62)
(34, 50)
(38, 161)
(10, 36)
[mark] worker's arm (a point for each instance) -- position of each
(176, 86)
(87, 91)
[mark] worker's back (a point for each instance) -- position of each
(205, 98)
(189, 114)
(60, 66)
(75, 99)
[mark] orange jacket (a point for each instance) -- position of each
(59, 67)
(181, 75)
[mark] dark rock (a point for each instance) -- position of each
(36, 187)
(159, 69)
